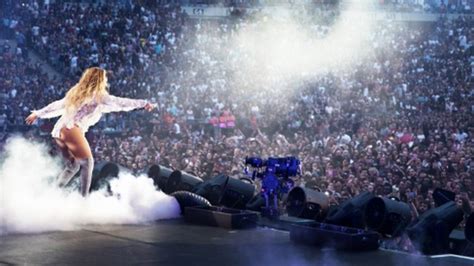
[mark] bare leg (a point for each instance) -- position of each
(78, 146)
(76, 142)
(71, 167)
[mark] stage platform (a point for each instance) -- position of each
(173, 242)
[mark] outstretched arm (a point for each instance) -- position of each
(117, 104)
(53, 109)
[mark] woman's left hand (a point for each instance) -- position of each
(149, 107)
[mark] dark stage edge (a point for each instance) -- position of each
(173, 242)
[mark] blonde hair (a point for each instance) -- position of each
(93, 83)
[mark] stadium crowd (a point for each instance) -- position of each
(399, 123)
(454, 6)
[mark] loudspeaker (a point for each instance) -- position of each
(387, 216)
(307, 203)
(160, 175)
(227, 191)
(351, 212)
(179, 180)
(431, 231)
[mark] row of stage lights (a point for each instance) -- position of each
(388, 216)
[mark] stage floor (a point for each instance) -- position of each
(173, 242)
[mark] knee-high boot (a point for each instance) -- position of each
(87, 165)
(72, 167)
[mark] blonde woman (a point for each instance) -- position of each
(81, 108)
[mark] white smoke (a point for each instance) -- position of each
(283, 47)
(268, 57)
(30, 202)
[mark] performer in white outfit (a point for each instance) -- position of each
(81, 108)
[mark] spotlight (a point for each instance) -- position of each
(179, 180)
(430, 233)
(351, 212)
(227, 191)
(387, 216)
(307, 203)
(160, 175)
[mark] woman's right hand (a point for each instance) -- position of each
(31, 119)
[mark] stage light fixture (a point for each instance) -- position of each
(430, 233)
(104, 171)
(307, 203)
(441, 196)
(227, 191)
(387, 216)
(180, 180)
(350, 213)
(160, 175)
